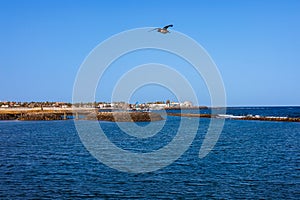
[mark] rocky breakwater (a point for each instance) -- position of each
(8, 117)
(33, 114)
(40, 116)
(249, 117)
(79, 114)
(125, 116)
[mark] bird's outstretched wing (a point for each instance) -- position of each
(166, 27)
(154, 29)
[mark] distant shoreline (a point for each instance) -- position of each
(251, 118)
(45, 114)
(77, 114)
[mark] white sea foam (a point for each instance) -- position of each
(274, 117)
(228, 116)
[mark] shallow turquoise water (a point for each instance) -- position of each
(252, 159)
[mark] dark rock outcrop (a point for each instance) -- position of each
(125, 116)
(40, 116)
(260, 118)
(8, 117)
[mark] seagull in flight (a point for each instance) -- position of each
(163, 30)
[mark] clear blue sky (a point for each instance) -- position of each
(255, 44)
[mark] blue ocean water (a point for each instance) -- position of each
(252, 159)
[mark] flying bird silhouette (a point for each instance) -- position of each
(163, 30)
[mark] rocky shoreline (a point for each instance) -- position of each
(125, 116)
(116, 116)
(37, 115)
(257, 118)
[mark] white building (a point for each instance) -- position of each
(186, 104)
(154, 106)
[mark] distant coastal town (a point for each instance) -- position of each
(158, 105)
(103, 111)
(115, 111)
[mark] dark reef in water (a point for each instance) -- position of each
(35, 115)
(8, 117)
(258, 118)
(40, 116)
(125, 116)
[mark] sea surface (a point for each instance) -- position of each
(251, 160)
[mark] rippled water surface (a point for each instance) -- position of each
(252, 159)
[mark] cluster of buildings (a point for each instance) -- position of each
(145, 106)
(100, 105)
